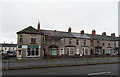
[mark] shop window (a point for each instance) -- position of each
(32, 51)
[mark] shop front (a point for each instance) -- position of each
(24, 51)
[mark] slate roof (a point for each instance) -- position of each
(101, 37)
(8, 45)
(79, 35)
(31, 30)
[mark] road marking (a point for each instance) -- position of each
(99, 73)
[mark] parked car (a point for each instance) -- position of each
(8, 54)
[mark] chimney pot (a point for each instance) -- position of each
(82, 32)
(69, 29)
(93, 32)
(113, 34)
(38, 26)
(104, 33)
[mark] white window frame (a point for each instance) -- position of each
(31, 51)
(70, 50)
(33, 36)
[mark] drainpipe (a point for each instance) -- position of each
(42, 53)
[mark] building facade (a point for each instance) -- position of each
(4, 47)
(41, 43)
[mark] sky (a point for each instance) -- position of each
(15, 15)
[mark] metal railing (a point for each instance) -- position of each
(37, 62)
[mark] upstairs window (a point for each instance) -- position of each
(33, 39)
(77, 42)
(91, 42)
(20, 38)
(44, 40)
(69, 41)
(84, 42)
(53, 40)
(62, 41)
(103, 44)
(109, 44)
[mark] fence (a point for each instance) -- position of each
(29, 62)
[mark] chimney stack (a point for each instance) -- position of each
(38, 26)
(82, 32)
(69, 29)
(113, 34)
(93, 32)
(104, 33)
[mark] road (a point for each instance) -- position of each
(104, 69)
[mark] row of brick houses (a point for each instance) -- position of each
(40, 43)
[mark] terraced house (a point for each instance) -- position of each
(41, 43)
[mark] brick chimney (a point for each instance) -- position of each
(82, 32)
(69, 29)
(113, 34)
(38, 28)
(93, 32)
(104, 33)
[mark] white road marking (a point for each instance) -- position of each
(99, 73)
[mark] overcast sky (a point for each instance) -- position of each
(15, 15)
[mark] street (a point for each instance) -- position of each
(104, 69)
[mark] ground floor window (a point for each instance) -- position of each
(110, 51)
(32, 51)
(53, 51)
(70, 50)
(98, 51)
(19, 52)
(85, 51)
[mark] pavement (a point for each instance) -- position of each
(8, 64)
(104, 69)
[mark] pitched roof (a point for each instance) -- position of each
(29, 30)
(8, 45)
(101, 37)
(56, 33)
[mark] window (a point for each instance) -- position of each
(70, 50)
(62, 41)
(44, 40)
(70, 41)
(84, 42)
(91, 41)
(97, 42)
(109, 44)
(33, 39)
(53, 51)
(20, 38)
(114, 44)
(53, 41)
(32, 51)
(19, 52)
(103, 44)
(77, 42)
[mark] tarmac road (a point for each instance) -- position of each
(104, 69)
